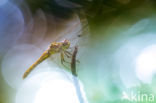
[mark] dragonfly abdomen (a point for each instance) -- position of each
(44, 56)
(55, 47)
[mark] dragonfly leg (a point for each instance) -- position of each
(69, 55)
(62, 59)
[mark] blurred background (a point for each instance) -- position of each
(117, 50)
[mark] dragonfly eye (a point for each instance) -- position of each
(66, 44)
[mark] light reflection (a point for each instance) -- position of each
(56, 91)
(16, 61)
(11, 25)
(2, 2)
(49, 87)
(134, 61)
(146, 64)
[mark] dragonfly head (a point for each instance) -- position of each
(65, 44)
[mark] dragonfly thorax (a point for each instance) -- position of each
(57, 47)
(65, 44)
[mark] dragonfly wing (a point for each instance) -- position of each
(77, 31)
(73, 29)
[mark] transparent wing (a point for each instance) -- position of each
(76, 31)
(78, 35)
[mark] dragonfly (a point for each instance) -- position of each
(60, 47)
